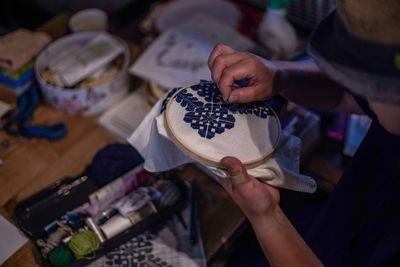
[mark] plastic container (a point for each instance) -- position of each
(77, 101)
(276, 33)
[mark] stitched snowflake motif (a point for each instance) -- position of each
(210, 119)
(214, 116)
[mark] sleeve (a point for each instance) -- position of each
(386, 253)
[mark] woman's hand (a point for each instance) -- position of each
(228, 66)
(255, 198)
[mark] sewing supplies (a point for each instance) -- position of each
(206, 128)
(54, 238)
(93, 226)
(102, 199)
(84, 243)
(106, 215)
(132, 209)
(60, 256)
(146, 210)
(77, 74)
(76, 220)
(117, 224)
(136, 200)
(68, 233)
(96, 53)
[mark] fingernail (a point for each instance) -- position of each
(233, 98)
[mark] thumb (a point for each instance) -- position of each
(236, 170)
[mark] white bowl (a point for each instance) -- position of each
(92, 19)
(79, 101)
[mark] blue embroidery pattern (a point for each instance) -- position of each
(167, 98)
(214, 116)
(256, 108)
(210, 119)
(188, 101)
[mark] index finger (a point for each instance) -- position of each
(218, 50)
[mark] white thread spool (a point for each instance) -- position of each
(115, 225)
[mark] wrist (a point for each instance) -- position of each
(270, 223)
(279, 81)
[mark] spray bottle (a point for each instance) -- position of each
(276, 33)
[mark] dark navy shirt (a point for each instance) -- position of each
(359, 225)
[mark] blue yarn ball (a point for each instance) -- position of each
(113, 161)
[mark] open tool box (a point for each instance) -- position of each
(39, 215)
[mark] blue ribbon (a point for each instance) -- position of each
(26, 105)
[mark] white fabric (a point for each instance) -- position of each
(160, 154)
(256, 134)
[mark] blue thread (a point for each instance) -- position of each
(209, 120)
(167, 98)
(26, 105)
(241, 83)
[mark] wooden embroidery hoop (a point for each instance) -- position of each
(204, 159)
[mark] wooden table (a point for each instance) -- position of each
(36, 163)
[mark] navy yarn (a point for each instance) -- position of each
(113, 161)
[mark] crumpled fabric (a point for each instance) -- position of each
(151, 140)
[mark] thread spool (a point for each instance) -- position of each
(143, 212)
(115, 225)
(84, 243)
(60, 256)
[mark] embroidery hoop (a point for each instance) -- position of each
(207, 160)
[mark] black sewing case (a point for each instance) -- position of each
(47, 206)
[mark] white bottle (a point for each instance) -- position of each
(276, 33)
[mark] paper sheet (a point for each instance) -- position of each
(11, 239)
(122, 119)
(178, 57)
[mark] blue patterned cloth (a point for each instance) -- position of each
(208, 113)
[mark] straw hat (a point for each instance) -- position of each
(358, 45)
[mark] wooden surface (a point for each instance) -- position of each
(36, 163)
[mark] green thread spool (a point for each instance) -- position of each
(84, 243)
(60, 256)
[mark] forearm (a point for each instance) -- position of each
(281, 243)
(303, 83)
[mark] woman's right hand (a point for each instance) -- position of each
(228, 66)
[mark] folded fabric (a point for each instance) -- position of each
(152, 141)
(20, 46)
